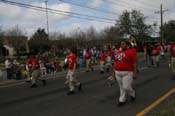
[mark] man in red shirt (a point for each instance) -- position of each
(172, 54)
(125, 71)
(71, 79)
(36, 72)
(102, 61)
(88, 60)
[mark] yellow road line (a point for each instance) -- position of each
(157, 102)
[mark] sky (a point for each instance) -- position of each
(30, 20)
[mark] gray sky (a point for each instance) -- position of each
(30, 20)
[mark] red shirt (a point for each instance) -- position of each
(155, 51)
(29, 63)
(124, 60)
(35, 63)
(71, 60)
(172, 50)
(110, 52)
(88, 54)
(102, 57)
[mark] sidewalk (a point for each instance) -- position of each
(49, 76)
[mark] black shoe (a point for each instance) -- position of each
(107, 69)
(27, 81)
(70, 92)
(133, 99)
(80, 87)
(120, 104)
(44, 82)
(34, 86)
(102, 72)
(173, 78)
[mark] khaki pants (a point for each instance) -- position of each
(173, 65)
(102, 65)
(88, 61)
(72, 81)
(108, 61)
(125, 80)
(156, 60)
(35, 75)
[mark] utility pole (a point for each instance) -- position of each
(47, 18)
(161, 16)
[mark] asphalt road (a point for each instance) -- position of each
(96, 99)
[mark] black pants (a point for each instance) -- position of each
(9, 73)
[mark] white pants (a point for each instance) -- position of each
(71, 80)
(125, 80)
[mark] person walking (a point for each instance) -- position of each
(36, 72)
(155, 56)
(149, 56)
(125, 72)
(102, 61)
(71, 78)
(8, 67)
(108, 60)
(29, 68)
(88, 60)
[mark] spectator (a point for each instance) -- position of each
(149, 55)
(8, 66)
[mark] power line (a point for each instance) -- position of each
(88, 7)
(73, 14)
(145, 3)
(124, 3)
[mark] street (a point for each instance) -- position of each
(96, 99)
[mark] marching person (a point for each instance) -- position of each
(36, 72)
(125, 72)
(88, 60)
(172, 55)
(110, 52)
(71, 79)
(155, 56)
(29, 64)
(102, 61)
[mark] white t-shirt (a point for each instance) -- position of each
(8, 64)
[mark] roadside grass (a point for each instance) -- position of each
(167, 108)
